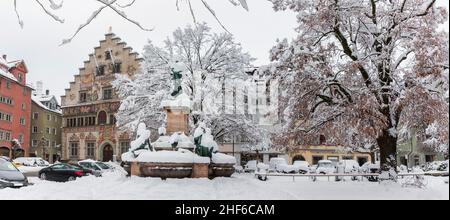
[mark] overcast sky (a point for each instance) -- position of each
(38, 43)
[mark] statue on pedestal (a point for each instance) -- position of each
(176, 71)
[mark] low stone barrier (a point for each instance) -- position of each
(179, 170)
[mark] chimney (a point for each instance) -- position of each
(47, 92)
(39, 87)
(4, 56)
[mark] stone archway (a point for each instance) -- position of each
(108, 153)
(5, 151)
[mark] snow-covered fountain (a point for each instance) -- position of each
(176, 154)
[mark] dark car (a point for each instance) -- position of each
(88, 171)
(62, 172)
(10, 176)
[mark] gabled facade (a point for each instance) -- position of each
(15, 108)
(89, 105)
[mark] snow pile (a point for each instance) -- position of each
(163, 142)
(116, 186)
(180, 140)
(181, 156)
(182, 101)
(220, 158)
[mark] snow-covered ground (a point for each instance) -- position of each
(241, 187)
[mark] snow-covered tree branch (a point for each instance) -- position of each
(211, 60)
(51, 7)
(360, 71)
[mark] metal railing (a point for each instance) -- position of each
(336, 175)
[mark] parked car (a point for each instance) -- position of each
(371, 168)
(302, 167)
(87, 171)
(324, 167)
(280, 165)
(62, 172)
(98, 168)
(31, 162)
(350, 166)
(10, 176)
(251, 166)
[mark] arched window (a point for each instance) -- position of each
(102, 118)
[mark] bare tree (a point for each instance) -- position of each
(51, 7)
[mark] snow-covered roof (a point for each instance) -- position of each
(45, 98)
(4, 69)
(38, 101)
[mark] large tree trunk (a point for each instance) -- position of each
(388, 151)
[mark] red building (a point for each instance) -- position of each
(15, 108)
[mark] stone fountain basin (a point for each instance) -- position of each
(162, 170)
(221, 170)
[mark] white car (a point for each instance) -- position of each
(324, 167)
(370, 167)
(302, 167)
(350, 166)
(32, 162)
(280, 165)
(97, 168)
(251, 166)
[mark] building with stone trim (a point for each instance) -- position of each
(89, 105)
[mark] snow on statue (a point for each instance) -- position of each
(142, 143)
(204, 141)
(176, 71)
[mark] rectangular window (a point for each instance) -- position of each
(35, 130)
(35, 143)
(35, 116)
(108, 55)
(22, 121)
(49, 117)
(101, 70)
(124, 146)
(48, 130)
(73, 150)
(117, 68)
(90, 150)
(107, 93)
(6, 100)
(83, 97)
(112, 120)
(54, 131)
(5, 117)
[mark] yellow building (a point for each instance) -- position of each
(313, 154)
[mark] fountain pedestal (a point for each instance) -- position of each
(177, 119)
